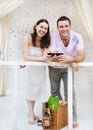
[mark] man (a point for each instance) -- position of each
(70, 43)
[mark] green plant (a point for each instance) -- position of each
(53, 102)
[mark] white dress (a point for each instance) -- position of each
(35, 82)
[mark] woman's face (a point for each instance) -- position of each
(41, 29)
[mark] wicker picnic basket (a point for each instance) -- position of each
(58, 118)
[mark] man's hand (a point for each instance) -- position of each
(65, 59)
(74, 66)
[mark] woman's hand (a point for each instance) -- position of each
(53, 58)
(22, 66)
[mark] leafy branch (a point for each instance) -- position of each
(53, 102)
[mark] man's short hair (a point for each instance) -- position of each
(63, 18)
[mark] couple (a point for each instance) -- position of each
(35, 48)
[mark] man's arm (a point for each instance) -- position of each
(79, 57)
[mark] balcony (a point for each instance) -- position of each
(13, 107)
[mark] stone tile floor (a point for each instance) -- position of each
(13, 113)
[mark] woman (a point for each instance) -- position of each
(35, 47)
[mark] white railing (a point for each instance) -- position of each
(70, 79)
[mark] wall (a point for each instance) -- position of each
(22, 19)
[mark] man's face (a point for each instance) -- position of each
(64, 28)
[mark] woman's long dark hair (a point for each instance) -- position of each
(45, 41)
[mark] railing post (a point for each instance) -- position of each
(14, 127)
(70, 98)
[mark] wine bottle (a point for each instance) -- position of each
(46, 114)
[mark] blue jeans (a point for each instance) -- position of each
(55, 75)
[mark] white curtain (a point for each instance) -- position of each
(2, 81)
(6, 6)
(3, 40)
(85, 8)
